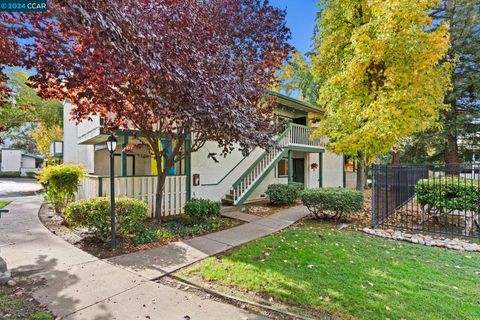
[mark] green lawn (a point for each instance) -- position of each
(3, 203)
(352, 274)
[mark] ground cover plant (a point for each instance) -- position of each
(350, 274)
(179, 228)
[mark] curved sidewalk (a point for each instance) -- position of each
(154, 263)
(77, 285)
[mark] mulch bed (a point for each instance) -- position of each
(264, 208)
(361, 218)
(103, 250)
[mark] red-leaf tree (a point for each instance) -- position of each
(170, 68)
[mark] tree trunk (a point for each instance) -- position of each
(395, 157)
(161, 177)
(451, 156)
(361, 179)
(451, 150)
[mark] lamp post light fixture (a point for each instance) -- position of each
(112, 145)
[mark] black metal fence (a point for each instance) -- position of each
(436, 199)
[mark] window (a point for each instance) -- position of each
(283, 168)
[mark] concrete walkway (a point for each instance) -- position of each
(78, 285)
(18, 187)
(155, 263)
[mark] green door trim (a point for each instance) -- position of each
(320, 170)
(301, 172)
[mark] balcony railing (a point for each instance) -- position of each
(299, 135)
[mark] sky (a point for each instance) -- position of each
(300, 21)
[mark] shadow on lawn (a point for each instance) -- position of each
(327, 269)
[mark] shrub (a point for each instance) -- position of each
(297, 185)
(31, 174)
(324, 201)
(283, 193)
(201, 210)
(61, 183)
(448, 193)
(95, 213)
(10, 174)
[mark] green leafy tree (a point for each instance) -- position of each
(460, 120)
(296, 77)
(382, 73)
(30, 122)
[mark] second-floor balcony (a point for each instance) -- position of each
(295, 136)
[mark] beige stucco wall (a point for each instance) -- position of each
(102, 162)
(11, 160)
(72, 151)
(28, 162)
(332, 170)
(211, 172)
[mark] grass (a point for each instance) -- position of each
(3, 203)
(19, 308)
(350, 274)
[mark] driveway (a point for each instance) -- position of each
(18, 187)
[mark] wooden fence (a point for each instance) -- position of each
(140, 187)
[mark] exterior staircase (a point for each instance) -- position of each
(295, 137)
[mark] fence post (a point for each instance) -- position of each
(374, 169)
(386, 191)
(100, 186)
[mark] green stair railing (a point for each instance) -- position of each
(294, 136)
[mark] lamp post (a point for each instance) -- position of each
(112, 145)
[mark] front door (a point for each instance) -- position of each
(299, 170)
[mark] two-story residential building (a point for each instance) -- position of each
(18, 161)
(235, 179)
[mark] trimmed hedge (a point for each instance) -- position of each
(61, 183)
(297, 185)
(448, 193)
(95, 213)
(281, 194)
(10, 174)
(323, 202)
(201, 210)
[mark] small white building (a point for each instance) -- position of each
(235, 179)
(15, 160)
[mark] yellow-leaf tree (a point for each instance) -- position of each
(44, 135)
(381, 73)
